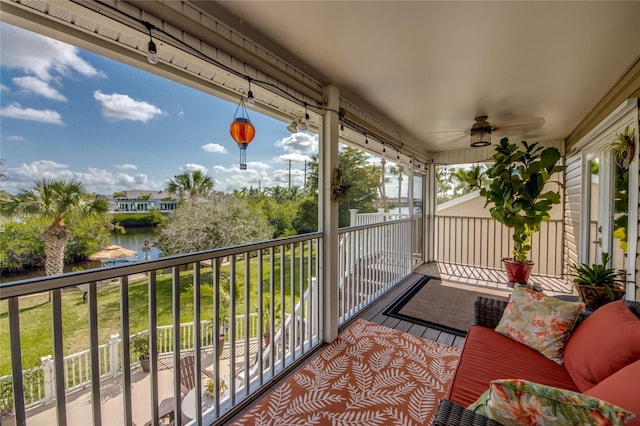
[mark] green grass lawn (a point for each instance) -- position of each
(35, 310)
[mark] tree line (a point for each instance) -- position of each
(56, 222)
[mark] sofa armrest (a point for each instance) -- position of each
(487, 311)
(452, 414)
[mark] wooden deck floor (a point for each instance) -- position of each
(374, 313)
(479, 277)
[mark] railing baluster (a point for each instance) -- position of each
(58, 354)
(272, 297)
(93, 351)
(16, 362)
(283, 339)
(232, 327)
(126, 356)
(292, 281)
(175, 305)
(247, 312)
(260, 318)
(153, 345)
(215, 276)
(196, 343)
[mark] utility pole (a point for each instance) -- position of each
(289, 174)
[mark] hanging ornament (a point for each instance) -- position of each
(242, 131)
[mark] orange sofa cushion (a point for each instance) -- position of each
(488, 355)
(605, 342)
(623, 389)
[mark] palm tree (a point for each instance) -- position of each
(399, 172)
(191, 185)
(383, 183)
(58, 201)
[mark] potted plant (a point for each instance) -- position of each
(598, 284)
(514, 186)
(140, 347)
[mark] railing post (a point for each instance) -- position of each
(354, 217)
(49, 385)
(114, 354)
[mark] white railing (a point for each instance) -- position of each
(483, 242)
(279, 271)
(77, 366)
(373, 258)
(358, 219)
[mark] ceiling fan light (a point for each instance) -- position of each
(481, 132)
(481, 139)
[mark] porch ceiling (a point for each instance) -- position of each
(431, 67)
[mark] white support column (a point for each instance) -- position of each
(114, 354)
(49, 377)
(328, 154)
(429, 194)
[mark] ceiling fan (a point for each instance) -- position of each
(481, 130)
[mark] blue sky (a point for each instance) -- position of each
(68, 113)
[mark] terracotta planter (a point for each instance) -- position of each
(594, 297)
(517, 272)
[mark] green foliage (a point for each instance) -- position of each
(139, 220)
(279, 206)
(140, 345)
(21, 245)
(597, 275)
(513, 185)
(191, 185)
(222, 221)
(61, 202)
(363, 178)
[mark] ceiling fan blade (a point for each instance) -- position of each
(506, 123)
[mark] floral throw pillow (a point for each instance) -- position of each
(519, 402)
(541, 322)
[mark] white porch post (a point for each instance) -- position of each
(328, 154)
(429, 194)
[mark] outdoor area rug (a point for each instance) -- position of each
(441, 305)
(370, 374)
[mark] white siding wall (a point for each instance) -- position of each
(572, 205)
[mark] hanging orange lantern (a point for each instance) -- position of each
(242, 131)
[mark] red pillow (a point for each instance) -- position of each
(604, 343)
(621, 389)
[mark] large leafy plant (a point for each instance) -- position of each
(513, 187)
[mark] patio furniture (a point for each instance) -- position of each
(488, 355)
(187, 387)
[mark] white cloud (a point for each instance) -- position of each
(214, 148)
(302, 143)
(47, 58)
(94, 180)
(39, 87)
(230, 178)
(281, 177)
(4, 88)
(16, 138)
(16, 111)
(294, 157)
(121, 107)
(125, 166)
(193, 167)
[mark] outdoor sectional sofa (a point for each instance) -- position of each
(601, 359)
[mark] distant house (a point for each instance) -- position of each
(136, 201)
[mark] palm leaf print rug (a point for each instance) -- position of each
(370, 375)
